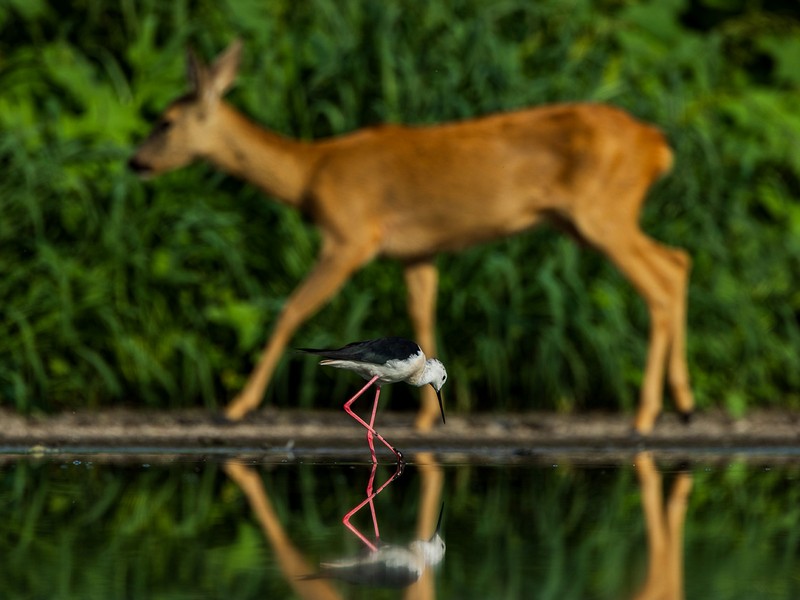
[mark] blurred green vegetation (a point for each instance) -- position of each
(113, 290)
(180, 529)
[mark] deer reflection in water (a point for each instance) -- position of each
(664, 520)
(381, 564)
(664, 525)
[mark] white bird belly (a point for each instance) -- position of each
(391, 371)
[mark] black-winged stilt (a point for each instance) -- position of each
(387, 565)
(384, 360)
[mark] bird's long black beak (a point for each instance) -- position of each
(439, 396)
(438, 529)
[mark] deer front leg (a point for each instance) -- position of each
(336, 265)
(422, 280)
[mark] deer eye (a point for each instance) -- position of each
(163, 126)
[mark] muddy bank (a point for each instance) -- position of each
(333, 432)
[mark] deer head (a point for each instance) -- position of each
(189, 126)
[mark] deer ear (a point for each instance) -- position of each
(223, 71)
(196, 73)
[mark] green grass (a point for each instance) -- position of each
(162, 293)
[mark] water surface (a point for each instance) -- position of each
(192, 526)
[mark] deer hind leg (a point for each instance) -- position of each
(335, 266)
(660, 276)
(676, 264)
(422, 280)
(678, 369)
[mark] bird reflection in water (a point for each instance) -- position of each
(371, 495)
(387, 565)
(381, 564)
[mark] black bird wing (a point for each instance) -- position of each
(377, 351)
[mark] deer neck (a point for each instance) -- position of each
(278, 165)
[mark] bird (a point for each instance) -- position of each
(389, 565)
(380, 361)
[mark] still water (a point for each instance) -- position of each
(107, 526)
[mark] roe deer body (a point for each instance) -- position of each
(412, 192)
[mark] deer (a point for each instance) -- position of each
(410, 193)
